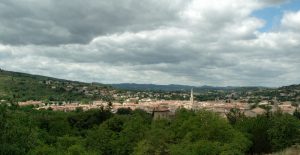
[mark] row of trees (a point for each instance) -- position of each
(28, 131)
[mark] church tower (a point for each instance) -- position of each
(192, 97)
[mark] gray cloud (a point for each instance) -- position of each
(73, 21)
(190, 42)
(273, 2)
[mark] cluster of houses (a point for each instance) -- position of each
(76, 87)
(165, 109)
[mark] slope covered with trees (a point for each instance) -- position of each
(28, 131)
(15, 86)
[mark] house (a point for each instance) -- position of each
(250, 113)
(263, 103)
(34, 103)
(254, 112)
(161, 113)
(286, 107)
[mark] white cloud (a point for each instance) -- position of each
(291, 21)
(196, 42)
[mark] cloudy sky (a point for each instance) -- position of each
(194, 42)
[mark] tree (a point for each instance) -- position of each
(43, 150)
(234, 115)
(270, 133)
(119, 134)
(88, 119)
(296, 113)
(192, 132)
(109, 105)
(284, 132)
(124, 111)
(17, 132)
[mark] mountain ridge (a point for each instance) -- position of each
(175, 87)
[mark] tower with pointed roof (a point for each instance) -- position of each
(192, 97)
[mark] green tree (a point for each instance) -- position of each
(44, 150)
(234, 115)
(270, 133)
(124, 111)
(192, 132)
(285, 132)
(17, 132)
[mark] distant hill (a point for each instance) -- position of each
(17, 86)
(151, 87)
(22, 87)
(173, 87)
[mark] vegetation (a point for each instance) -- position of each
(294, 150)
(24, 130)
(16, 87)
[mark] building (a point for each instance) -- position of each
(192, 97)
(161, 113)
(254, 112)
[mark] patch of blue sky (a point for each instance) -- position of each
(272, 15)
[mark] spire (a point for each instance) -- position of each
(192, 97)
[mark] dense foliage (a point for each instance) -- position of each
(24, 130)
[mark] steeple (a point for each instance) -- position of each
(192, 97)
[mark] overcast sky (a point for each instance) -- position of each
(194, 42)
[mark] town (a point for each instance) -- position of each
(167, 108)
(62, 95)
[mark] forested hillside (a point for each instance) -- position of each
(15, 86)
